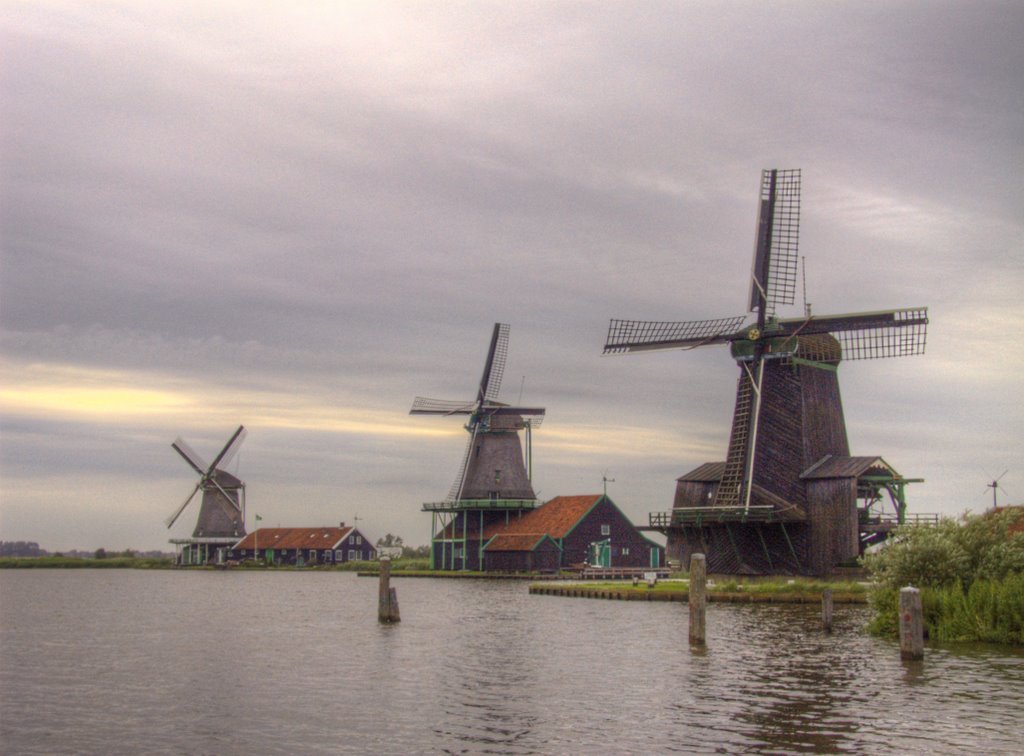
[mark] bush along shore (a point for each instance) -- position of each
(970, 573)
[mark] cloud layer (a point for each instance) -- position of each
(300, 216)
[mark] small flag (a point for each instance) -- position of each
(258, 518)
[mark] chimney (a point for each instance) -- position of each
(342, 524)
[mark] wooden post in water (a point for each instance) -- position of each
(826, 610)
(697, 598)
(911, 624)
(387, 598)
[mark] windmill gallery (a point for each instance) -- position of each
(789, 498)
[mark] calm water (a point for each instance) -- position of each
(99, 661)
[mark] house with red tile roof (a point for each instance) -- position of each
(586, 529)
(304, 546)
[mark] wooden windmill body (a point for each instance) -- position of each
(221, 520)
(785, 500)
(493, 482)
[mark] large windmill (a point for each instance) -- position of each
(493, 481)
(221, 520)
(785, 499)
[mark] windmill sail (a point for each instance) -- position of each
(494, 367)
(774, 273)
(651, 335)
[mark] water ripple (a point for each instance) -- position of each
(242, 663)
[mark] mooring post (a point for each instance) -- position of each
(826, 610)
(697, 598)
(387, 598)
(911, 624)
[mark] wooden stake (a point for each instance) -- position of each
(697, 598)
(911, 624)
(826, 610)
(387, 598)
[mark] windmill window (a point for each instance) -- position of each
(606, 530)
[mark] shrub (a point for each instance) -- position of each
(978, 547)
(971, 576)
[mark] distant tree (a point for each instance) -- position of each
(128, 553)
(20, 549)
(389, 540)
(415, 552)
(100, 553)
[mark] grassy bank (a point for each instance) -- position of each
(731, 590)
(61, 562)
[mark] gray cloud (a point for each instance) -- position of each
(337, 203)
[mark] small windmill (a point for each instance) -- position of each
(788, 415)
(994, 485)
(222, 511)
(492, 477)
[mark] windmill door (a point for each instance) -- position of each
(601, 553)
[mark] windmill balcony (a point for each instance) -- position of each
(697, 516)
(461, 505)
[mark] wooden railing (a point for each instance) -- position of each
(700, 515)
(462, 504)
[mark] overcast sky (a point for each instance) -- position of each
(298, 216)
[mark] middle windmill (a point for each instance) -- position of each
(493, 481)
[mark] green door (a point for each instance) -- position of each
(601, 553)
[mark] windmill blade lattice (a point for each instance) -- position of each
(649, 335)
(460, 479)
(189, 455)
(494, 368)
(169, 522)
(867, 335)
(229, 450)
(778, 239)
(422, 405)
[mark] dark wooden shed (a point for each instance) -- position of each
(586, 529)
(527, 552)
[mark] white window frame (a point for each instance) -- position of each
(606, 530)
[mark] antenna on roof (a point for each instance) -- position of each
(605, 480)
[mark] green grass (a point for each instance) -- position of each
(754, 587)
(61, 562)
(990, 611)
